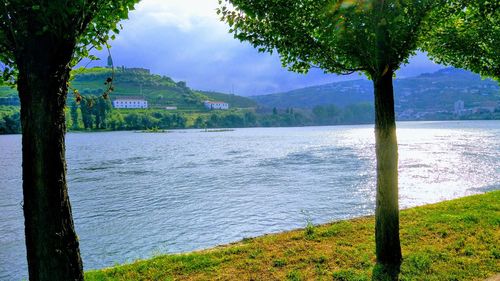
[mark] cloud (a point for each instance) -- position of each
(184, 15)
(185, 40)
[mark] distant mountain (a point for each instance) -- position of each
(339, 93)
(438, 91)
(427, 92)
(430, 92)
(233, 100)
(159, 91)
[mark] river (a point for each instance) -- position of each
(135, 195)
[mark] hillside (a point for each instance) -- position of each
(340, 94)
(425, 93)
(159, 91)
(430, 96)
(234, 100)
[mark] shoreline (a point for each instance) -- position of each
(264, 127)
(461, 231)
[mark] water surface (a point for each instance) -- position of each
(135, 195)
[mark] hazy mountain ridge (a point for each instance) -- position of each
(426, 92)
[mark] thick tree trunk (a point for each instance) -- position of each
(51, 241)
(388, 247)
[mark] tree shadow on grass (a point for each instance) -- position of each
(386, 272)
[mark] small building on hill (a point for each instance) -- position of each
(130, 103)
(216, 105)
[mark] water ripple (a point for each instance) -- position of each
(182, 192)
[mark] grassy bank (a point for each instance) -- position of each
(453, 240)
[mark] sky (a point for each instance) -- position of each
(185, 40)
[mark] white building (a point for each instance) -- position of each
(130, 103)
(216, 105)
(171, 108)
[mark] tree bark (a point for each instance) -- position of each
(51, 242)
(388, 248)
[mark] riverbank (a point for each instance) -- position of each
(452, 240)
(160, 119)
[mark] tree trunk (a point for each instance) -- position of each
(51, 241)
(388, 248)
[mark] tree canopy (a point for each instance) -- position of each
(339, 36)
(466, 34)
(92, 23)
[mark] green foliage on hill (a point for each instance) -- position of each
(347, 102)
(159, 91)
(91, 113)
(359, 113)
(440, 90)
(340, 94)
(427, 92)
(233, 100)
(95, 114)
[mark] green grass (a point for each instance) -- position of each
(452, 240)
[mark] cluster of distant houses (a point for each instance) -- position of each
(459, 110)
(138, 103)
